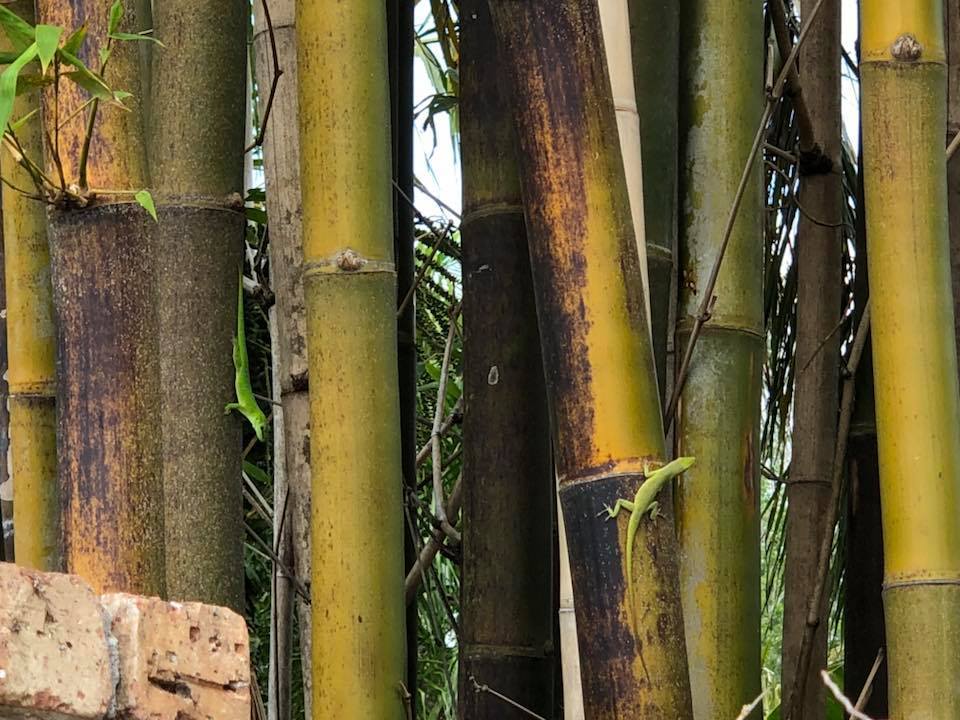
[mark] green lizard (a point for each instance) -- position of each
(645, 501)
(246, 403)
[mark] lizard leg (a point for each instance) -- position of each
(231, 406)
(654, 510)
(617, 507)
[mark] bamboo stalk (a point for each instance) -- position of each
(654, 35)
(31, 351)
(196, 141)
(507, 587)
(863, 626)
(601, 380)
(400, 19)
(903, 76)
(105, 296)
(281, 166)
(719, 410)
(350, 291)
(819, 261)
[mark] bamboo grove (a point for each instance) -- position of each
(499, 263)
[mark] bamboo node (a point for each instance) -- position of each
(349, 260)
(906, 48)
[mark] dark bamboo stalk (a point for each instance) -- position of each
(506, 588)
(819, 260)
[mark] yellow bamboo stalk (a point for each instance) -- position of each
(108, 402)
(903, 74)
(721, 99)
(31, 351)
(601, 380)
(615, 24)
(350, 294)
(31, 336)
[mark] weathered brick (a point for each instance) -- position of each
(54, 654)
(179, 661)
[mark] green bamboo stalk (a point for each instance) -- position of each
(196, 157)
(903, 81)
(655, 41)
(721, 99)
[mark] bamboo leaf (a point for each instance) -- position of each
(8, 83)
(17, 30)
(256, 473)
(48, 38)
(135, 36)
(32, 81)
(8, 57)
(75, 41)
(145, 199)
(83, 77)
(24, 120)
(88, 82)
(116, 16)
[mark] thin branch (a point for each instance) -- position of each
(298, 586)
(794, 89)
(706, 304)
(423, 188)
(478, 688)
(429, 551)
(747, 709)
(841, 698)
(438, 420)
(454, 416)
(952, 147)
(867, 688)
(439, 238)
(277, 74)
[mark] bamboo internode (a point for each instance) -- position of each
(914, 350)
(350, 291)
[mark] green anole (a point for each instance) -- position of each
(246, 403)
(645, 501)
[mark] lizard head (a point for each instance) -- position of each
(259, 423)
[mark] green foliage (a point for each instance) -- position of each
(48, 39)
(41, 44)
(145, 200)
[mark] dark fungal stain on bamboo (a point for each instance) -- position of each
(108, 395)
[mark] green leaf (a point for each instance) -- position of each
(146, 202)
(24, 120)
(8, 83)
(135, 36)
(256, 473)
(104, 55)
(48, 38)
(90, 82)
(32, 81)
(116, 15)
(18, 30)
(8, 57)
(256, 215)
(121, 95)
(75, 41)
